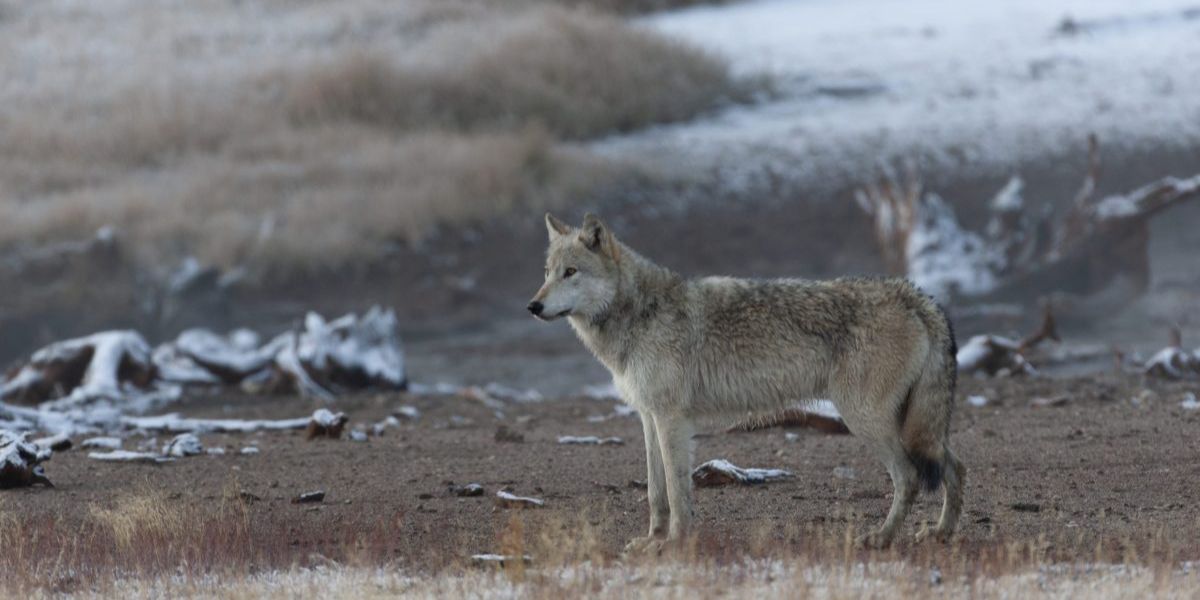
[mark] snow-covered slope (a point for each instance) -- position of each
(965, 84)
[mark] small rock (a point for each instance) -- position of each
(1026, 507)
(506, 435)
(608, 487)
(358, 436)
(215, 451)
(406, 412)
(249, 450)
(1189, 402)
(309, 497)
(467, 491)
(844, 472)
(1041, 402)
(184, 444)
(791, 437)
(326, 424)
(935, 576)
(1144, 397)
(637, 484)
(977, 401)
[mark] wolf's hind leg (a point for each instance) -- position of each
(953, 476)
(904, 493)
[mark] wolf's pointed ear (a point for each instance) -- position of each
(556, 227)
(597, 237)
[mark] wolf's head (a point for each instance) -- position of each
(581, 270)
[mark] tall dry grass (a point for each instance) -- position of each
(146, 544)
(313, 135)
(577, 74)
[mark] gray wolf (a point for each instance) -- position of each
(682, 351)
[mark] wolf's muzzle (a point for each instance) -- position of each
(536, 308)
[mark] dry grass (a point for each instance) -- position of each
(577, 74)
(314, 200)
(279, 135)
(145, 545)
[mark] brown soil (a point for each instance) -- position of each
(1095, 468)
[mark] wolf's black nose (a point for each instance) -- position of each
(535, 307)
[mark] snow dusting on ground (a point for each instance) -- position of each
(979, 84)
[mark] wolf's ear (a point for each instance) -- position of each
(556, 227)
(597, 237)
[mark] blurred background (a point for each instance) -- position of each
(236, 163)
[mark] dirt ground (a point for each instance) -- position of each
(1096, 467)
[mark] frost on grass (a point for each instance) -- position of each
(20, 461)
(720, 472)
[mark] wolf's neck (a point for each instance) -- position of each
(642, 291)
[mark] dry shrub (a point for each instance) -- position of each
(579, 74)
(359, 142)
(317, 199)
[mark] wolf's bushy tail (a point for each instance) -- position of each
(926, 427)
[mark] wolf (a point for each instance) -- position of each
(685, 351)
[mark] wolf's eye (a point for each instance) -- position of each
(569, 272)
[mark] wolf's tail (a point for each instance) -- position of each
(926, 426)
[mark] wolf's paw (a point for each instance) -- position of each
(932, 533)
(643, 546)
(874, 541)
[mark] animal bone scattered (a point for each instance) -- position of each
(590, 440)
(507, 500)
(20, 461)
(326, 424)
(720, 472)
(1173, 362)
(184, 444)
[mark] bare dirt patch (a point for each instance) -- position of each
(1095, 477)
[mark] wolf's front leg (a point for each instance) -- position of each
(656, 488)
(675, 442)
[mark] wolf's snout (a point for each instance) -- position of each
(535, 307)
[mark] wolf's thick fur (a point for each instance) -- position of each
(683, 350)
